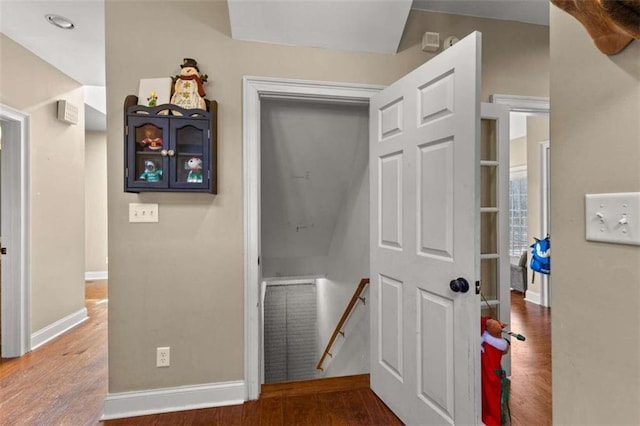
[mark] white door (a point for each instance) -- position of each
(424, 212)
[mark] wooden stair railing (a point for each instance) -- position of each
(338, 330)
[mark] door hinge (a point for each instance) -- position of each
(126, 172)
(478, 287)
(3, 250)
(126, 130)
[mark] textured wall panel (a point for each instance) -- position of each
(290, 330)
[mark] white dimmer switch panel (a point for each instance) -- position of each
(613, 218)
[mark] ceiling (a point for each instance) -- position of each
(373, 26)
(358, 25)
(528, 11)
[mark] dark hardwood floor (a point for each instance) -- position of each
(335, 401)
(530, 363)
(65, 382)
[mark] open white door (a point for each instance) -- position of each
(424, 211)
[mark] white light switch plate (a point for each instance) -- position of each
(613, 218)
(139, 212)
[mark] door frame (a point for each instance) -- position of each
(254, 90)
(500, 113)
(16, 279)
(545, 213)
(538, 106)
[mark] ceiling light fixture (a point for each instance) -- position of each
(60, 21)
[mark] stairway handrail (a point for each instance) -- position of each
(343, 319)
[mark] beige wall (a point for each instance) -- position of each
(595, 148)
(95, 185)
(518, 152)
(31, 85)
(179, 283)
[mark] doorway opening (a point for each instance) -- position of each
(14, 211)
(256, 91)
(529, 219)
(453, 114)
(529, 200)
(314, 223)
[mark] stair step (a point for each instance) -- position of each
(306, 387)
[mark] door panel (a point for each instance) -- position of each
(435, 224)
(390, 206)
(390, 331)
(424, 213)
(435, 324)
(436, 98)
(391, 119)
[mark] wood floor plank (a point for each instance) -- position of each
(380, 414)
(355, 408)
(231, 415)
(271, 411)
(250, 413)
(301, 410)
(332, 409)
(305, 387)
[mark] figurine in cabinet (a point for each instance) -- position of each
(188, 90)
(194, 165)
(151, 173)
(151, 140)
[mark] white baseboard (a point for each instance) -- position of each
(97, 275)
(55, 329)
(140, 403)
(533, 297)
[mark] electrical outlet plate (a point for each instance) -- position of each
(613, 218)
(163, 357)
(143, 212)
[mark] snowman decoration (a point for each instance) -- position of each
(188, 90)
(194, 165)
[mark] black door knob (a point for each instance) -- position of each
(459, 285)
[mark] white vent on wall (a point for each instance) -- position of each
(67, 112)
(430, 42)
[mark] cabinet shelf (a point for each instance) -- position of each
(177, 135)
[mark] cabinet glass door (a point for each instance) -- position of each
(190, 165)
(147, 140)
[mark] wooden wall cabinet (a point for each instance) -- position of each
(164, 143)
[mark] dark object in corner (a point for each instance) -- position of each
(612, 24)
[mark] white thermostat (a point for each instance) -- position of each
(67, 112)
